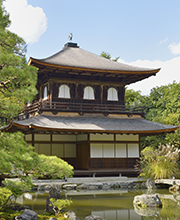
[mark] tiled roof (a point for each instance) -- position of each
(79, 58)
(94, 123)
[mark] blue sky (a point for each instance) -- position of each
(143, 33)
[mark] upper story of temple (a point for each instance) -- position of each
(75, 80)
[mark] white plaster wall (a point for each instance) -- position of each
(57, 150)
(42, 137)
(28, 137)
(101, 137)
(126, 137)
(43, 149)
(82, 137)
(70, 150)
(60, 137)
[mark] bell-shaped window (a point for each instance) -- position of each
(64, 92)
(45, 93)
(112, 94)
(88, 93)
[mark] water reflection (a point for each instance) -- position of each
(110, 205)
(118, 214)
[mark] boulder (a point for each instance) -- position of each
(149, 184)
(93, 217)
(81, 187)
(95, 186)
(123, 185)
(146, 200)
(70, 215)
(69, 186)
(27, 215)
(53, 193)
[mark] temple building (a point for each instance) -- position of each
(80, 115)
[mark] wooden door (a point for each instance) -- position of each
(83, 156)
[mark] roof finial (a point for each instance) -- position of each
(70, 36)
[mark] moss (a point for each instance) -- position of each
(10, 215)
(140, 205)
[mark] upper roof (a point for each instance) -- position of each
(71, 56)
(91, 123)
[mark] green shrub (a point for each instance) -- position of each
(53, 167)
(59, 204)
(4, 197)
(159, 163)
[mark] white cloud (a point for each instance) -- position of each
(163, 41)
(175, 48)
(170, 71)
(26, 21)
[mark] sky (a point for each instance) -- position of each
(144, 33)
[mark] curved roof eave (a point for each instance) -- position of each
(137, 71)
(95, 125)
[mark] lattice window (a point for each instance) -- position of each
(64, 92)
(45, 92)
(112, 94)
(88, 93)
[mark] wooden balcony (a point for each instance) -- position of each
(81, 108)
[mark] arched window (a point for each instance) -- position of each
(64, 92)
(45, 93)
(112, 94)
(88, 93)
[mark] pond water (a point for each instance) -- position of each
(110, 205)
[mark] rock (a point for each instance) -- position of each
(53, 218)
(93, 217)
(41, 188)
(27, 215)
(71, 215)
(149, 184)
(123, 185)
(47, 188)
(106, 186)
(174, 188)
(95, 186)
(146, 200)
(115, 186)
(69, 186)
(53, 193)
(81, 187)
(131, 185)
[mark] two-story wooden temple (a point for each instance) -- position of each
(80, 114)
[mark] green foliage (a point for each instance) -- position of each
(108, 56)
(16, 156)
(159, 163)
(17, 79)
(133, 97)
(4, 197)
(59, 204)
(53, 167)
(161, 106)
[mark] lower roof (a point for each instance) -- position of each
(91, 124)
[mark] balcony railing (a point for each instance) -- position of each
(55, 107)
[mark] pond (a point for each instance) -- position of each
(110, 205)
